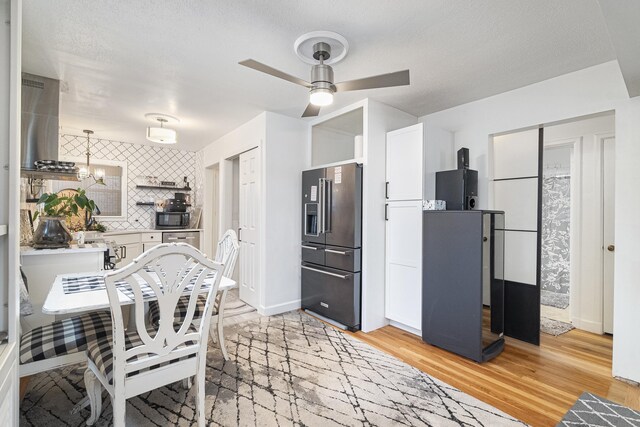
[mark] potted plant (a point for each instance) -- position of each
(52, 231)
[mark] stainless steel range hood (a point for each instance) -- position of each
(40, 124)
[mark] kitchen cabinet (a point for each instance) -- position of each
(129, 247)
(150, 240)
(404, 163)
(135, 242)
(403, 215)
(403, 263)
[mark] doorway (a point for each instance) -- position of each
(577, 217)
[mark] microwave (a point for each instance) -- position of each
(171, 220)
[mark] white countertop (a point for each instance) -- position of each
(147, 230)
(73, 249)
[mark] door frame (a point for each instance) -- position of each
(601, 138)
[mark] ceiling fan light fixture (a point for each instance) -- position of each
(321, 97)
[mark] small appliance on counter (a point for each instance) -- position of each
(458, 187)
(171, 220)
(177, 204)
(463, 282)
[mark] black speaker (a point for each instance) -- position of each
(459, 188)
(463, 158)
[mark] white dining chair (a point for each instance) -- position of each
(226, 254)
(143, 358)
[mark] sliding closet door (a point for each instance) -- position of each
(516, 190)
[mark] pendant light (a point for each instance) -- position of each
(85, 171)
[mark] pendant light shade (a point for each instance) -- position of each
(161, 134)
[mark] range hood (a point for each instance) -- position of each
(40, 124)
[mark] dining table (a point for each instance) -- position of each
(83, 292)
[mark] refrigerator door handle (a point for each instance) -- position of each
(332, 251)
(386, 212)
(313, 248)
(340, 276)
(327, 205)
(321, 202)
(386, 190)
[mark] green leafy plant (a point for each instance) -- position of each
(54, 205)
(97, 226)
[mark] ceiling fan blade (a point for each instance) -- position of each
(399, 78)
(311, 111)
(272, 71)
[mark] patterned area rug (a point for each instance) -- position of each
(554, 327)
(285, 370)
(591, 410)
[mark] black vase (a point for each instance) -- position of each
(52, 233)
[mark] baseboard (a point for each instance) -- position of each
(587, 325)
(406, 328)
(279, 308)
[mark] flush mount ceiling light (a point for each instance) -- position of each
(162, 134)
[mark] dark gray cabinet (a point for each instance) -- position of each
(463, 282)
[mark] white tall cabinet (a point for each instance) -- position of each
(10, 68)
(403, 215)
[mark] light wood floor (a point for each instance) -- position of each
(534, 384)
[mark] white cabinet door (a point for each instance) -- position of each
(129, 252)
(403, 262)
(404, 163)
(249, 213)
(147, 246)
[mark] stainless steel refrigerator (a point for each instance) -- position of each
(332, 243)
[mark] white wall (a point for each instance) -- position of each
(285, 154)
(439, 155)
(284, 143)
(330, 145)
(244, 138)
(589, 91)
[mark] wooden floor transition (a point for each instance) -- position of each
(534, 384)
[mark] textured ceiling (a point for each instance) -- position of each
(121, 59)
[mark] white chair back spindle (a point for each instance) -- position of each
(227, 252)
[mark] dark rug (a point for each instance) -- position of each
(591, 410)
(285, 370)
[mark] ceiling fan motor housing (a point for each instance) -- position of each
(321, 73)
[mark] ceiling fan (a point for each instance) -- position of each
(321, 88)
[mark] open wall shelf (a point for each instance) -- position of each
(160, 187)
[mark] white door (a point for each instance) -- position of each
(249, 217)
(403, 263)
(404, 163)
(608, 237)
